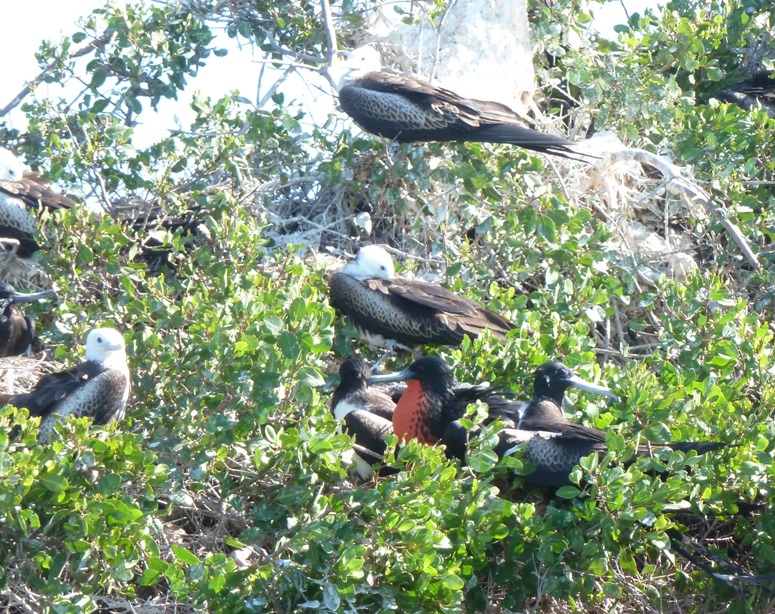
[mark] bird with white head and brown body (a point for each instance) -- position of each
(22, 192)
(396, 311)
(97, 387)
(407, 110)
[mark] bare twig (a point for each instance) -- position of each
(328, 26)
(100, 40)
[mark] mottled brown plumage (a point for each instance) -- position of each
(21, 193)
(553, 443)
(407, 109)
(98, 387)
(411, 312)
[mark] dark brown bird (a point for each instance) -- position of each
(98, 387)
(22, 192)
(429, 412)
(757, 90)
(367, 413)
(389, 310)
(17, 330)
(553, 443)
(433, 402)
(407, 110)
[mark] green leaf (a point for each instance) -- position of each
(109, 484)
(54, 483)
(98, 78)
(568, 492)
(452, 582)
(289, 345)
(273, 325)
(85, 254)
(310, 376)
(184, 555)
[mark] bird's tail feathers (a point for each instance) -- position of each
(512, 134)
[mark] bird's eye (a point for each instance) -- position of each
(99, 339)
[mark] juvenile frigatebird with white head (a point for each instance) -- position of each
(388, 310)
(23, 191)
(367, 413)
(98, 387)
(407, 110)
(17, 330)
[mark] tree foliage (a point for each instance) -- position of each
(226, 488)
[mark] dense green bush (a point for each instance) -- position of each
(226, 488)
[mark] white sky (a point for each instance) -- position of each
(53, 18)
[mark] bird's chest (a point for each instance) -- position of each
(385, 112)
(13, 213)
(411, 416)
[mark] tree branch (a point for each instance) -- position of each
(100, 40)
(328, 26)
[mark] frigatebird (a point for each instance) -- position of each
(406, 110)
(389, 310)
(98, 387)
(552, 443)
(757, 90)
(433, 401)
(23, 191)
(17, 330)
(367, 413)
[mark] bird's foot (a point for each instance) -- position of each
(391, 345)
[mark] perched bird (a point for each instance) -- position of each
(98, 387)
(367, 413)
(433, 401)
(17, 330)
(409, 110)
(757, 90)
(157, 230)
(429, 411)
(22, 191)
(390, 311)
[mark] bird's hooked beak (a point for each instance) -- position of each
(576, 382)
(20, 297)
(388, 378)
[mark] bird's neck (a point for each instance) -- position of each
(116, 361)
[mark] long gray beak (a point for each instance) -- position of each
(20, 297)
(582, 384)
(387, 378)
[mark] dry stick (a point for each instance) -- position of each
(328, 26)
(689, 190)
(100, 40)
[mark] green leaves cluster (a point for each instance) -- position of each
(227, 486)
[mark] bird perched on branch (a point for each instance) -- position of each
(367, 413)
(98, 387)
(17, 331)
(390, 310)
(21, 192)
(757, 90)
(430, 409)
(407, 110)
